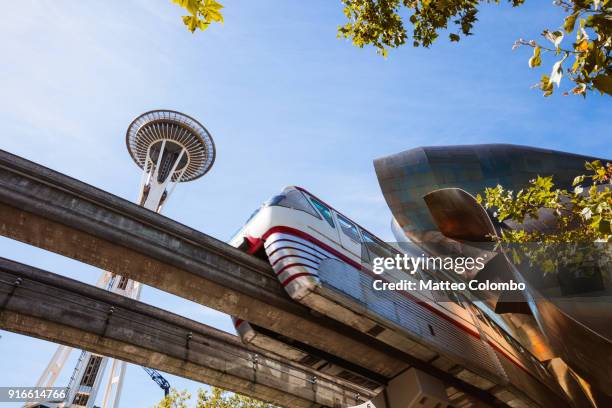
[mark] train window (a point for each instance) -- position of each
(348, 228)
(325, 212)
(292, 199)
(376, 248)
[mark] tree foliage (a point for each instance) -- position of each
(174, 399)
(201, 13)
(215, 398)
(379, 23)
(590, 22)
(581, 218)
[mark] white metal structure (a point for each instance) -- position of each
(170, 147)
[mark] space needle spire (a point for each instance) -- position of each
(170, 148)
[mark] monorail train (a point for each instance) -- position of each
(323, 260)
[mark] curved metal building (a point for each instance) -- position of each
(406, 177)
(430, 193)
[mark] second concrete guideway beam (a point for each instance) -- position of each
(55, 308)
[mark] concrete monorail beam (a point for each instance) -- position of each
(55, 308)
(55, 212)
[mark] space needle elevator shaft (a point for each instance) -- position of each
(170, 148)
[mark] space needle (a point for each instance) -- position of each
(170, 148)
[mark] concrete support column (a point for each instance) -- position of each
(411, 389)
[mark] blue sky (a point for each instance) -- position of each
(285, 100)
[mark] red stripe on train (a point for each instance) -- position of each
(294, 256)
(295, 248)
(297, 275)
(291, 265)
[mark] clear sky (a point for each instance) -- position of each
(285, 100)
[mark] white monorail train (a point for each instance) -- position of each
(319, 257)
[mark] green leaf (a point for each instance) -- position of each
(211, 12)
(570, 22)
(454, 37)
(592, 165)
(190, 5)
(191, 23)
(546, 85)
(203, 24)
(578, 180)
(554, 37)
(535, 60)
(203, 13)
(548, 266)
(213, 5)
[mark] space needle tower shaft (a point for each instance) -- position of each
(170, 148)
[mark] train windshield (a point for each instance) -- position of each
(292, 199)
